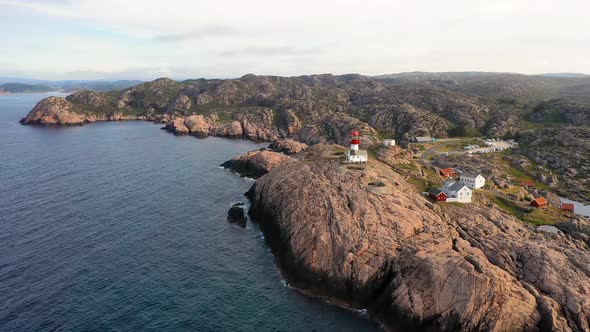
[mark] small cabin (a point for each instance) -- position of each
(527, 183)
(567, 207)
(437, 195)
(388, 142)
(539, 202)
(446, 172)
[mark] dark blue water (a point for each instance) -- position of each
(121, 227)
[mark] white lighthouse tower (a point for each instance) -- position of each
(355, 154)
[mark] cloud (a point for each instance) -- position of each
(52, 9)
(204, 32)
(212, 38)
(272, 51)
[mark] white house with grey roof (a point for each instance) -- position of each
(457, 191)
(472, 180)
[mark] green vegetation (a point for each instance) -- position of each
(509, 206)
(543, 216)
(25, 88)
(464, 131)
(420, 184)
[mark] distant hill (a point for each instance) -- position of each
(564, 75)
(25, 88)
(494, 85)
(25, 85)
(97, 85)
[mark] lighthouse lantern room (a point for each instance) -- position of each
(355, 154)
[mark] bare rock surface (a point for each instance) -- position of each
(412, 263)
(287, 146)
(54, 111)
(254, 163)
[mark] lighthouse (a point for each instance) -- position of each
(355, 154)
(354, 140)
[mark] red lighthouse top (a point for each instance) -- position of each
(354, 137)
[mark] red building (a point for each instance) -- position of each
(539, 202)
(447, 172)
(437, 195)
(527, 183)
(567, 207)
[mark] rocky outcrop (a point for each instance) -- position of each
(562, 110)
(54, 111)
(287, 146)
(410, 262)
(407, 119)
(308, 108)
(254, 164)
(563, 163)
(177, 127)
(504, 123)
(90, 98)
(198, 125)
(180, 105)
(236, 215)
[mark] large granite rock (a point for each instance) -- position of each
(254, 163)
(198, 125)
(409, 262)
(287, 146)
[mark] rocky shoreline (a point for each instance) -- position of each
(412, 264)
(361, 235)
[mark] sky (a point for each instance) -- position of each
(145, 39)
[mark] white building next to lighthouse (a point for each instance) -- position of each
(355, 154)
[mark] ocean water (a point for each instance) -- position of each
(579, 207)
(121, 227)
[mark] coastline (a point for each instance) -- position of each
(317, 291)
(334, 289)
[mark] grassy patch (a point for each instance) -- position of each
(543, 216)
(509, 207)
(421, 185)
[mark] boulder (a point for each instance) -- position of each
(198, 126)
(177, 127)
(236, 215)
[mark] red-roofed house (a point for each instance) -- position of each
(447, 172)
(527, 183)
(567, 207)
(437, 195)
(539, 202)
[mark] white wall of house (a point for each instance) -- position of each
(388, 142)
(356, 159)
(462, 195)
(473, 182)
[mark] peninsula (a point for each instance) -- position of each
(366, 235)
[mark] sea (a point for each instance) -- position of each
(120, 226)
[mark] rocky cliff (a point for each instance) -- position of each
(308, 108)
(562, 155)
(360, 234)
